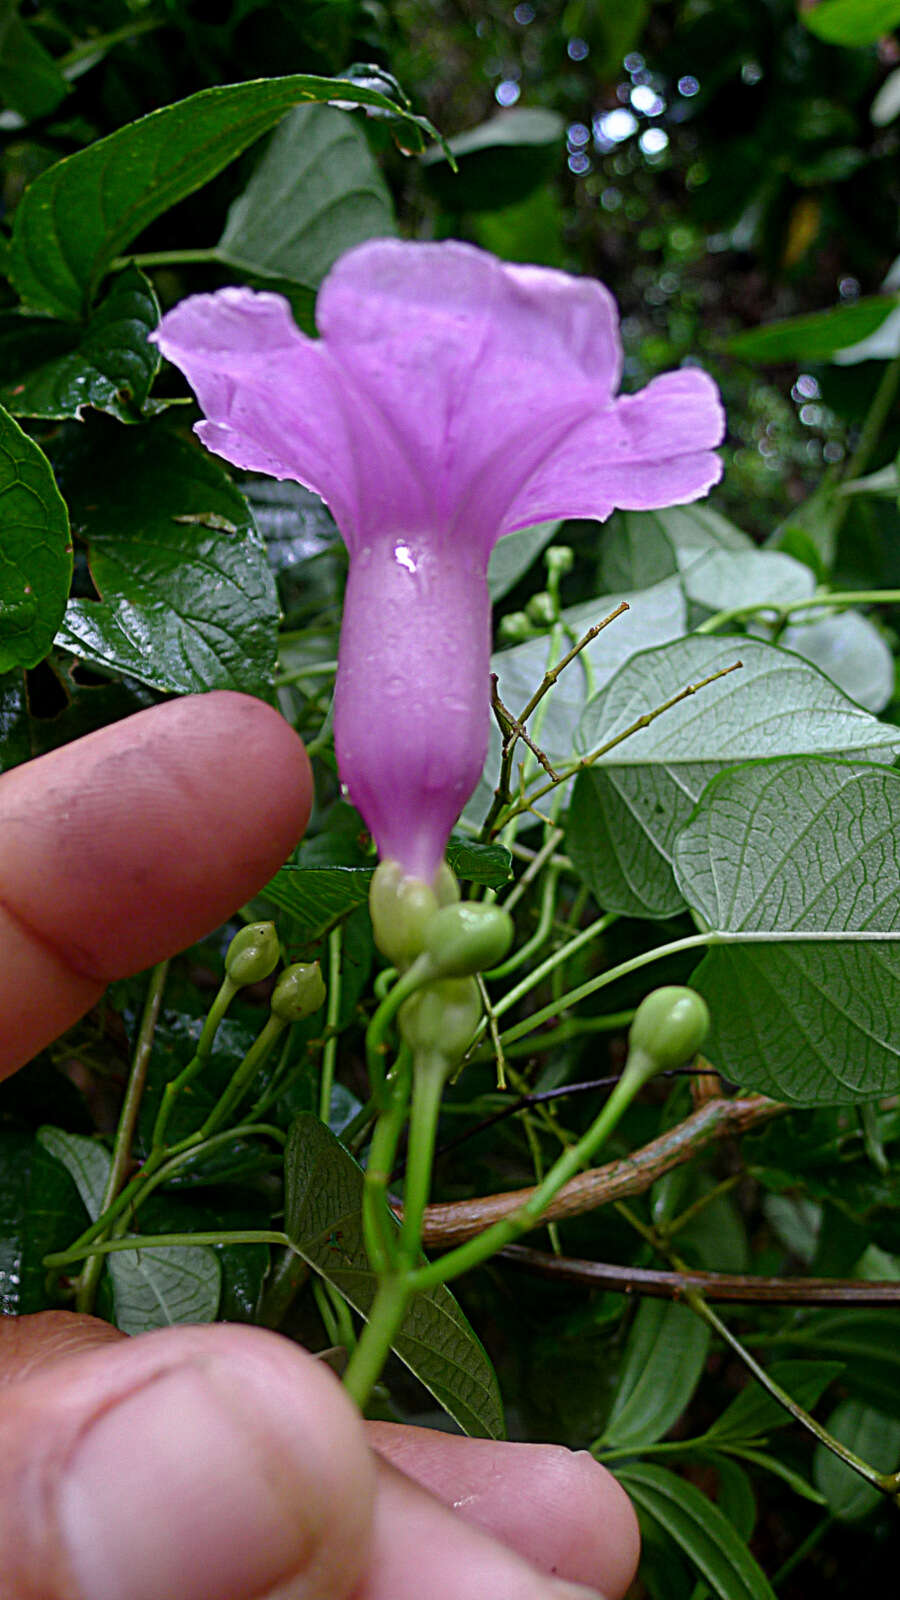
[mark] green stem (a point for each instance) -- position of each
(200, 1058)
(478, 1249)
(256, 1056)
(376, 1033)
(888, 1483)
(121, 1155)
(805, 1548)
(379, 1227)
(541, 933)
(158, 1241)
(428, 1077)
(167, 258)
(782, 614)
(332, 1018)
(386, 1317)
(694, 941)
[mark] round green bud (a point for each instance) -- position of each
(446, 885)
(252, 954)
(542, 609)
(559, 559)
(438, 1021)
(467, 938)
(515, 628)
(299, 992)
(669, 1026)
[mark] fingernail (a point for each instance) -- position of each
(188, 1490)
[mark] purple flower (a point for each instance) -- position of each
(451, 398)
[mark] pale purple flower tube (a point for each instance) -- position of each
(451, 398)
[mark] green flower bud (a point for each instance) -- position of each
(559, 559)
(542, 609)
(515, 628)
(438, 1021)
(401, 908)
(446, 886)
(299, 992)
(467, 938)
(669, 1027)
(252, 954)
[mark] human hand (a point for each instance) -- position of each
(222, 1463)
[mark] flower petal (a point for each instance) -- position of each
(470, 362)
(270, 396)
(646, 450)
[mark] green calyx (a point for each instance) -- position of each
(467, 938)
(438, 1021)
(401, 908)
(252, 954)
(299, 992)
(668, 1029)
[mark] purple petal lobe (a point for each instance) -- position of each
(412, 694)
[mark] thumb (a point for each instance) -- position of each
(217, 1463)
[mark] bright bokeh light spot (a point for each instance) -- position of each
(654, 141)
(645, 99)
(524, 14)
(751, 72)
(578, 135)
(633, 62)
(577, 49)
(579, 163)
(688, 86)
(616, 125)
(507, 92)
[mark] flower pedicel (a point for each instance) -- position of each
(451, 398)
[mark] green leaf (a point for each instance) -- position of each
(873, 1437)
(30, 80)
(629, 806)
(318, 898)
(850, 651)
(868, 1343)
(793, 866)
(729, 580)
(152, 1288)
(487, 864)
(499, 162)
(780, 1469)
(884, 483)
(755, 1414)
(323, 1201)
(640, 548)
(815, 337)
(187, 599)
(852, 22)
(39, 1207)
(51, 371)
(735, 1497)
(664, 1360)
(512, 556)
(699, 1528)
(35, 550)
(316, 192)
(81, 213)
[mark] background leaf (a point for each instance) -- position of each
(663, 1362)
(51, 371)
(699, 1529)
(323, 1200)
(628, 807)
(30, 79)
(510, 154)
(316, 192)
(187, 601)
(796, 864)
(152, 1288)
(873, 1437)
(814, 337)
(35, 550)
(512, 556)
(79, 214)
(754, 1413)
(851, 22)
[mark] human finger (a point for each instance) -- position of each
(132, 843)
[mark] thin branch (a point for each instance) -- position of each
(453, 1222)
(512, 728)
(738, 1288)
(552, 673)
